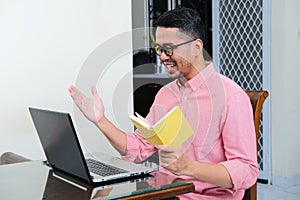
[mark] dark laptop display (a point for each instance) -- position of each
(60, 142)
(63, 151)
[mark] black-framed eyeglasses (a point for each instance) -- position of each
(168, 48)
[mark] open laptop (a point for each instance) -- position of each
(63, 151)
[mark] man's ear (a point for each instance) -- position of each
(199, 44)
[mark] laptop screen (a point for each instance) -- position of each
(60, 142)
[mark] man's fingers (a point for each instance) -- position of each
(95, 93)
(94, 90)
(71, 91)
(77, 96)
(168, 149)
(74, 92)
(159, 147)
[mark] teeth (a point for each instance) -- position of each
(169, 65)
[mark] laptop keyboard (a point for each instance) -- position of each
(103, 169)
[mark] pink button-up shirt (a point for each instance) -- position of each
(220, 114)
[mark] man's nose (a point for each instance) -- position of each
(164, 56)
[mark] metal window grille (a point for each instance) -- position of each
(239, 51)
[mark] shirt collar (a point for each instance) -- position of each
(202, 76)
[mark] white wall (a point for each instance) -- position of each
(44, 46)
(285, 93)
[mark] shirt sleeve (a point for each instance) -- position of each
(137, 149)
(239, 139)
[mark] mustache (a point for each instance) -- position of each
(170, 60)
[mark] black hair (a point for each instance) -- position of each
(186, 20)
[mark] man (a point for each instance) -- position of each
(220, 158)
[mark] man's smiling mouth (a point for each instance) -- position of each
(170, 66)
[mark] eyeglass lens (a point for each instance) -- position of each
(168, 49)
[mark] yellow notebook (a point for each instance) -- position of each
(173, 129)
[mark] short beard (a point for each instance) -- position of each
(175, 75)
